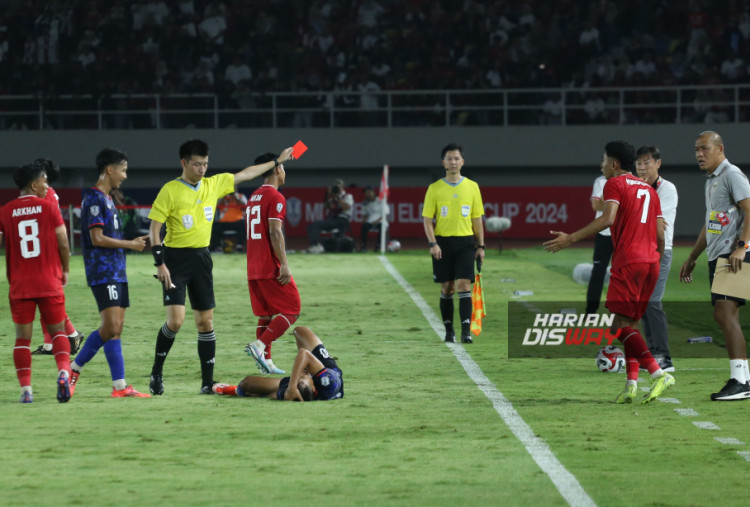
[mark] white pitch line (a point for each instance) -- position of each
(706, 425)
(729, 441)
(744, 454)
(687, 412)
(564, 481)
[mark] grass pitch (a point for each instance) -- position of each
(413, 429)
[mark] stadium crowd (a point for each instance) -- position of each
(238, 50)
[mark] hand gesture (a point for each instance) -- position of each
(138, 243)
(561, 241)
(686, 270)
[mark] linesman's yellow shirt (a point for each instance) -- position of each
(190, 211)
(453, 205)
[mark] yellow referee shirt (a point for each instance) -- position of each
(453, 205)
(189, 211)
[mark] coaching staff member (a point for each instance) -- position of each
(452, 215)
(188, 206)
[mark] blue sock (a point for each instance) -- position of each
(89, 349)
(113, 352)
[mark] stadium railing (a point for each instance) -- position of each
(402, 108)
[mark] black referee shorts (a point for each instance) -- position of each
(190, 268)
(457, 261)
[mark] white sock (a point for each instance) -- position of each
(47, 346)
(26, 389)
(119, 384)
(260, 345)
(737, 370)
(629, 383)
(747, 372)
(75, 366)
(658, 373)
(67, 375)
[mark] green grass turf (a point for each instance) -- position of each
(413, 429)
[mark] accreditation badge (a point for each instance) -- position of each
(716, 222)
(443, 211)
(208, 211)
(187, 221)
(465, 210)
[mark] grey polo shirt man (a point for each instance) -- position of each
(725, 187)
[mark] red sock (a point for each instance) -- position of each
(47, 337)
(61, 351)
(636, 348)
(22, 360)
(230, 390)
(277, 327)
(69, 327)
(259, 330)
(631, 368)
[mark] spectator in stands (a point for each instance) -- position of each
(372, 218)
(336, 215)
(129, 218)
(231, 218)
(237, 71)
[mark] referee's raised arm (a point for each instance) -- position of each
(254, 171)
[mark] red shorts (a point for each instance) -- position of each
(269, 297)
(630, 288)
(52, 309)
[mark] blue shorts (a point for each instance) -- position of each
(108, 295)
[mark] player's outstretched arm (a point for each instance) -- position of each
(254, 171)
(64, 248)
(99, 239)
(563, 240)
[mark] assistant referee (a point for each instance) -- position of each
(188, 206)
(452, 215)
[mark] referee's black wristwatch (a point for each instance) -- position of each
(431, 244)
(480, 246)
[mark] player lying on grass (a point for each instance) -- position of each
(315, 375)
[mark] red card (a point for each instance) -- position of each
(298, 149)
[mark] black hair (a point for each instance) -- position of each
(263, 158)
(305, 391)
(109, 156)
(623, 152)
(51, 168)
(648, 150)
(452, 147)
(24, 175)
(193, 147)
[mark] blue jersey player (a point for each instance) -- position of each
(104, 260)
(315, 375)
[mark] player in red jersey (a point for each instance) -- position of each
(36, 256)
(633, 213)
(272, 288)
(75, 337)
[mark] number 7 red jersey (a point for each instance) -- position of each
(264, 204)
(32, 257)
(634, 230)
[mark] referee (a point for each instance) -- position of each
(188, 206)
(452, 215)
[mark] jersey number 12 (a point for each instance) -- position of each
(254, 220)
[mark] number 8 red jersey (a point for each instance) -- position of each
(264, 204)
(32, 258)
(634, 230)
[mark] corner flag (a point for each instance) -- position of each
(477, 302)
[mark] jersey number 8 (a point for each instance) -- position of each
(28, 232)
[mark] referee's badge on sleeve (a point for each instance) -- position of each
(187, 221)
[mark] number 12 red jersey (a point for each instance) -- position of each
(264, 204)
